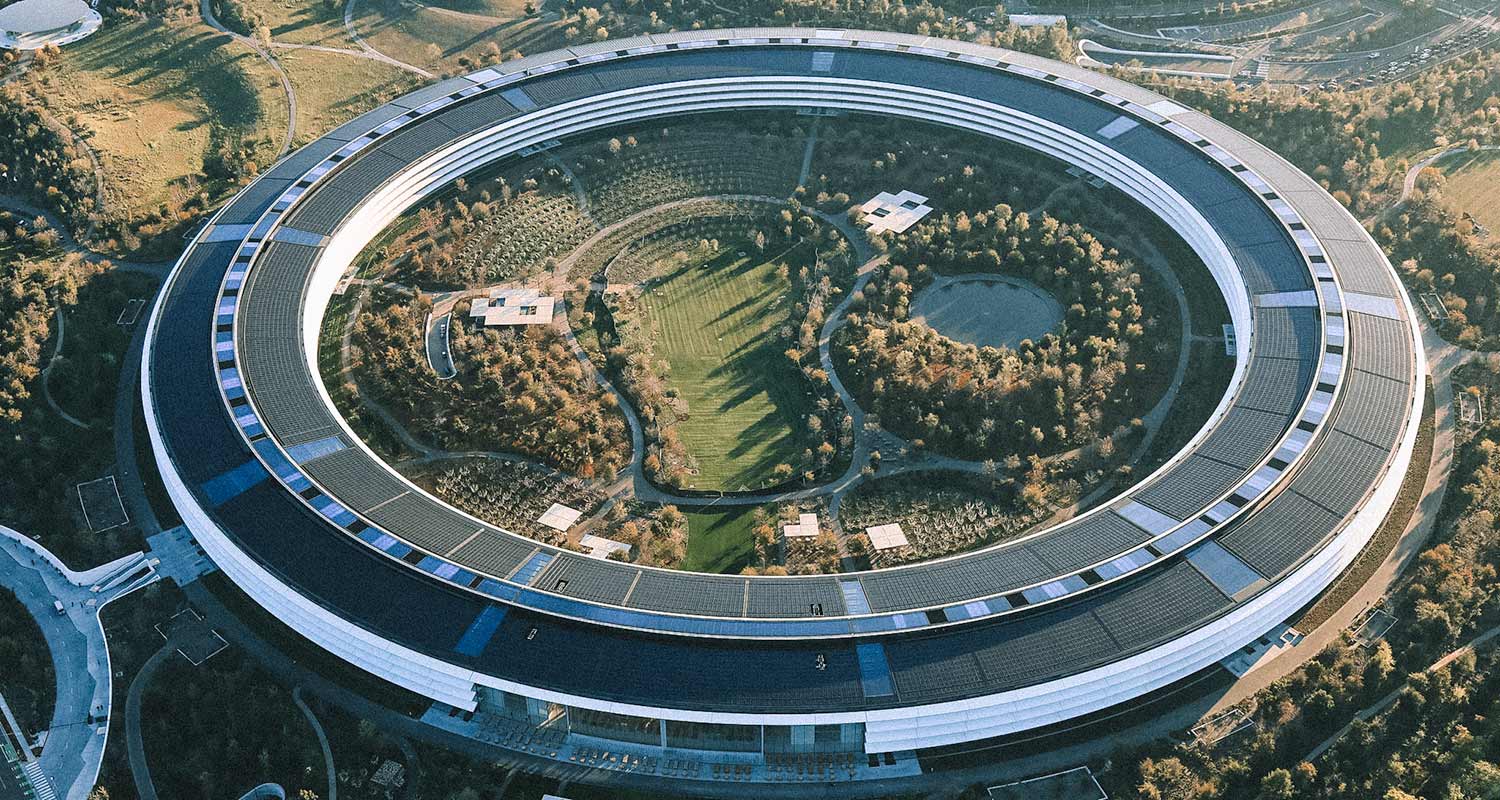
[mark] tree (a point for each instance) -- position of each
(1277, 785)
(1167, 779)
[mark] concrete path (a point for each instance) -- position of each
(312, 719)
(57, 352)
(140, 768)
(370, 49)
(205, 9)
(80, 656)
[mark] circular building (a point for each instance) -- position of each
(34, 24)
(555, 656)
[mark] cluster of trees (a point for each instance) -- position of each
(1061, 391)
(1439, 251)
(44, 455)
(860, 156)
(29, 681)
(922, 17)
(511, 494)
(241, 18)
(590, 23)
(26, 285)
(40, 161)
(214, 754)
(657, 536)
(170, 10)
(519, 390)
(244, 19)
(485, 228)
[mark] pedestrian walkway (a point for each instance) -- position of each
(66, 606)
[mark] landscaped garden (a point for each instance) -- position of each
(1061, 391)
(702, 298)
(719, 353)
(519, 391)
(509, 494)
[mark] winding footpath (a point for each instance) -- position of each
(57, 351)
(205, 9)
(69, 244)
(140, 768)
(312, 719)
(369, 49)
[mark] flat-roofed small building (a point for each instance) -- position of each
(886, 537)
(559, 517)
(806, 527)
(513, 307)
(895, 212)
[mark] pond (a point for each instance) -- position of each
(987, 310)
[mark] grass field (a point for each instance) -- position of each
(305, 21)
(434, 40)
(720, 541)
(332, 88)
(154, 99)
(1473, 185)
(493, 8)
(712, 324)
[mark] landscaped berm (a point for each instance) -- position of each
(740, 398)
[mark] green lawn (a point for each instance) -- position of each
(1473, 185)
(720, 541)
(713, 325)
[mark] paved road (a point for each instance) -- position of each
(80, 656)
(438, 357)
(127, 391)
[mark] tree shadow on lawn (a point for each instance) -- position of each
(310, 15)
(206, 77)
(777, 432)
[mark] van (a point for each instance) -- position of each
(58, 607)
